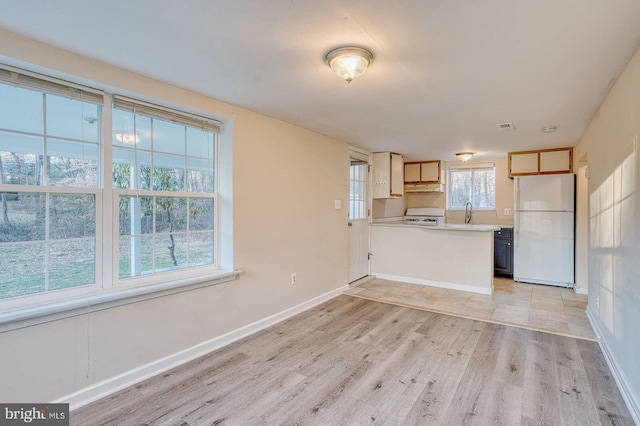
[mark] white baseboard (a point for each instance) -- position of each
(131, 377)
(440, 284)
(581, 290)
(633, 405)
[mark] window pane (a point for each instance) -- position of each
(72, 216)
(123, 167)
(72, 163)
(136, 256)
(200, 248)
(484, 189)
(460, 189)
(200, 143)
(70, 118)
(72, 263)
(171, 251)
(21, 109)
(130, 130)
(200, 175)
(22, 267)
(171, 214)
(168, 137)
(141, 221)
(22, 159)
(168, 172)
(23, 217)
(200, 214)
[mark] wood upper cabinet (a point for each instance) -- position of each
(422, 172)
(546, 161)
(388, 175)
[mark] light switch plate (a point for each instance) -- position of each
(337, 204)
(507, 211)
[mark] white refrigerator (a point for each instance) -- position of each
(544, 229)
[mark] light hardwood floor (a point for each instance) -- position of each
(352, 361)
(535, 307)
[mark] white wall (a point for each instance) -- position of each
(582, 227)
(285, 179)
(611, 146)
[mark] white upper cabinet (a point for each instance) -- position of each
(422, 172)
(523, 163)
(388, 175)
(555, 161)
(547, 161)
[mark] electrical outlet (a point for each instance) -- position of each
(294, 278)
(597, 302)
(507, 211)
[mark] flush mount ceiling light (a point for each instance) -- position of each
(349, 61)
(464, 156)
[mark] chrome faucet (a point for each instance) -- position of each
(468, 209)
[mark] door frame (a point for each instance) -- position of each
(364, 155)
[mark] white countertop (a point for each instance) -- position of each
(445, 227)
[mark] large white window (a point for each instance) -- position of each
(164, 180)
(472, 183)
(50, 136)
(73, 225)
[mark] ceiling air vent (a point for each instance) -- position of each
(505, 127)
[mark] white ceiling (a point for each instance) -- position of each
(445, 72)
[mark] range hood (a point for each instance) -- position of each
(424, 187)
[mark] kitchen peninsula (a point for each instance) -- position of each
(457, 257)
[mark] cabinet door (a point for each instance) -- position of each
(397, 175)
(502, 257)
(381, 175)
(412, 172)
(555, 161)
(430, 172)
(523, 164)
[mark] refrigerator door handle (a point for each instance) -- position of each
(516, 213)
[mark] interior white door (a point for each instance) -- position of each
(358, 217)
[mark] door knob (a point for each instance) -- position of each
(350, 224)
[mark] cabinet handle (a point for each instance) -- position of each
(508, 244)
(350, 224)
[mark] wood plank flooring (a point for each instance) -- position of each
(535, 307)
(352, 361)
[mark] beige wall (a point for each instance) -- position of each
(611, 144)
(504, 197)
(285, 180)
(391, 207)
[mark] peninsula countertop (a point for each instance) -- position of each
(443, 227)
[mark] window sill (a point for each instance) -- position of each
(26, 317)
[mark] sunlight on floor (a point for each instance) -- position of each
(535, 307)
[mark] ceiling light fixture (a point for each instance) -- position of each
(464, 156)
(349, 61)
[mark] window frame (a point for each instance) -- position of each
(108, 290)
(471, 167)
(156, 112)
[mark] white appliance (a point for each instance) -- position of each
(424, 216)
(544, 229)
